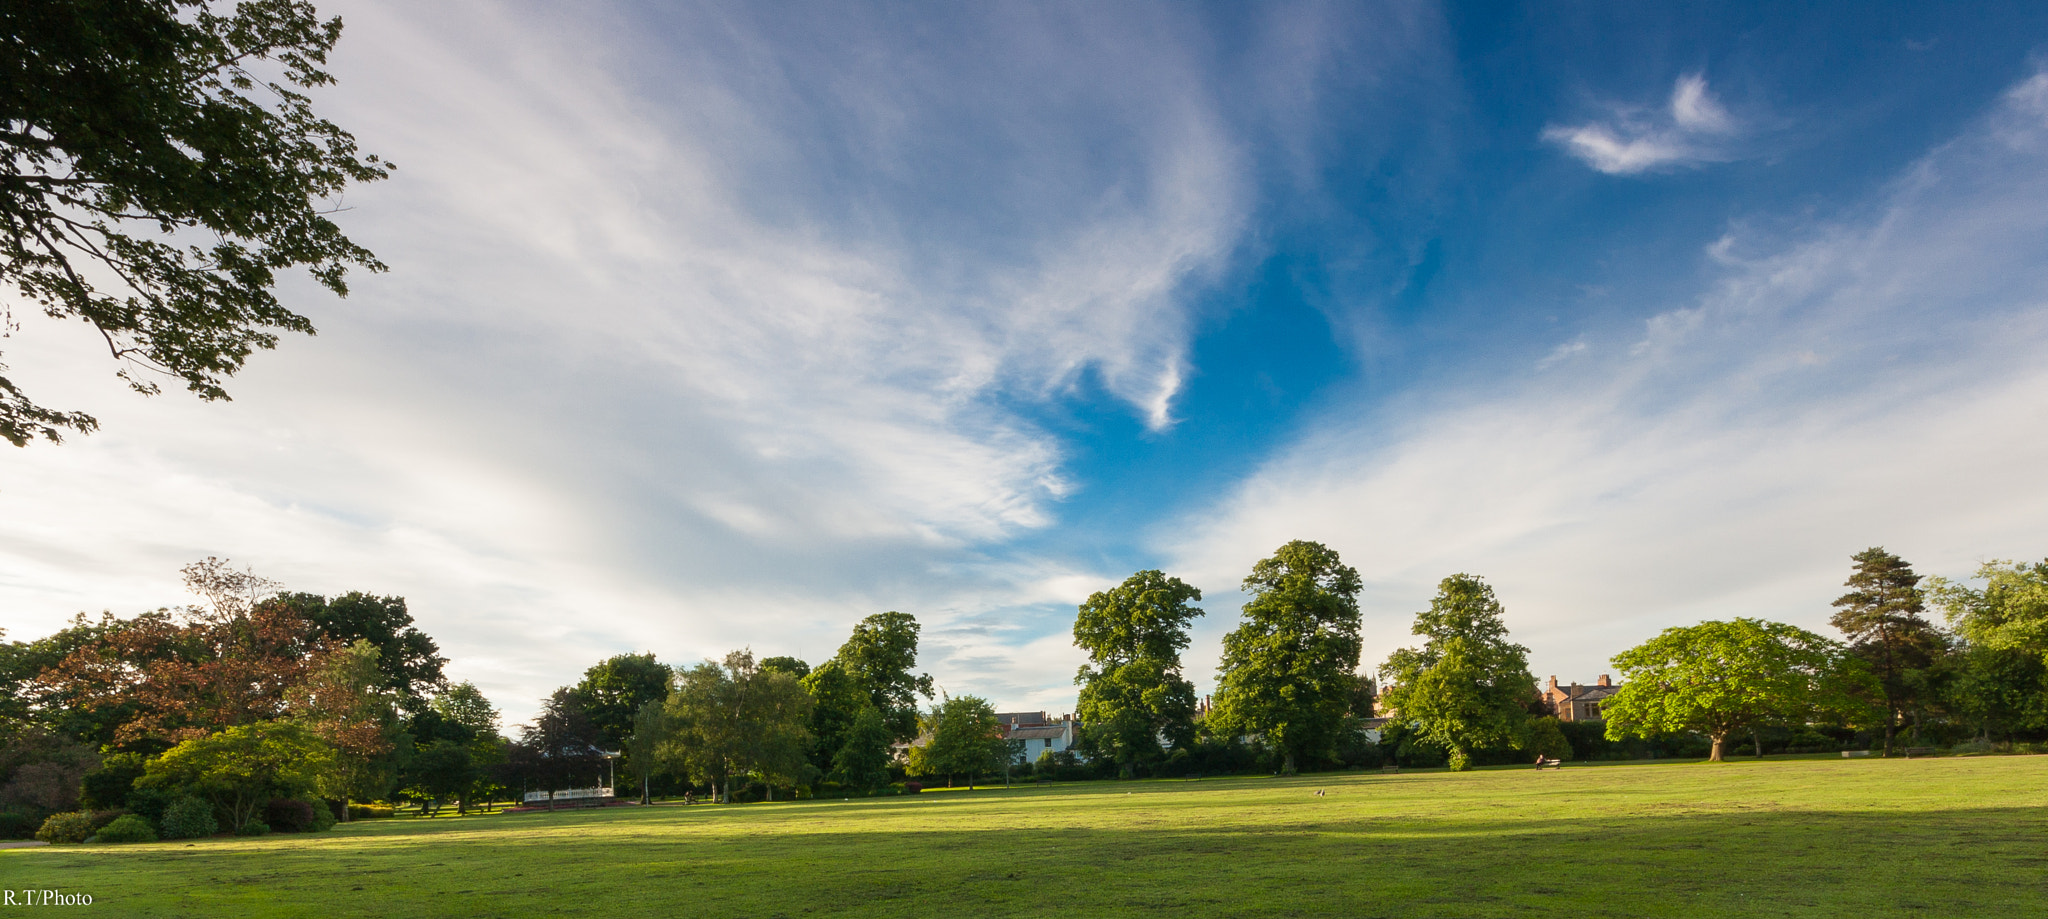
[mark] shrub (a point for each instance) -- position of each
(288, 815)
(17, 825)
(323, 814)
(74, 826)
(253, 828)
(127, 828)
(363, 811)
(911, 788)
(188, 818)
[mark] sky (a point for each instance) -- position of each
(712, 326)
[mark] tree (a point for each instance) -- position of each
(731, 718)
(1880, 615)
(1132, 690)
(1717, 678)
(793, 666)
(1467, 686)
(562, 742)
(240, 769)
(1288, 671)
(614, 690)
(863, 760)
(409, 658)
(650, 729)
(124, 117)
(464, 708)
(961, 736)
(2000, 678)
(343, 702)
(837, 698)
(879, 656)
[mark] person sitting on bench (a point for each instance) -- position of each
(1542, 761)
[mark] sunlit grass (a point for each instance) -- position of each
(1947, 837)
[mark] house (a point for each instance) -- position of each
(1039, 733)
(1574, 702)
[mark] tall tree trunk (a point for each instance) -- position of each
(346, 817)
(1757, 736)
(1287, 763)
(1715, 756)
(1889, 728)
(645, 799)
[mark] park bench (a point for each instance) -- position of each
(1391, 769)
(1549, 762)
(1917, 752)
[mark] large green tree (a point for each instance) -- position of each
(862, 760)
(1467, 687)
(409, 658)
(1718, 678)
(881, 656)
(961, 736)
(837, 699)
(162, 163)
(2000, 671)
(240, 769)
(1880, 616)
(731, 719)
(1288, 672)
(614, 689)
(1132, 690)
(343, 701)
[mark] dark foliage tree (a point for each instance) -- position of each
(862, 760)
(562, 743)
(783, 664)
(1467, 687)
(162, 164)
(880, 656)
(409, 658)
(1880, 616)
(1132, 690)
(837, 699)
(1289, 671)
(614, 690)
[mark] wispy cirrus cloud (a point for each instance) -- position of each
(1691, 129)
(1875, 382)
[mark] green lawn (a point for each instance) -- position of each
(1864, 838)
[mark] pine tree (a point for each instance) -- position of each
(1880, 615)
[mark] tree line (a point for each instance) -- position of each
(261, 708)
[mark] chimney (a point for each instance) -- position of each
(1604, 681)
(1553, 682)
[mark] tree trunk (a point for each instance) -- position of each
(1757, 737)
(728, 789)
(1715, 756)
(1287, 764)
(1888, 731)
(645, 799)
(346, 817)
(771, 792)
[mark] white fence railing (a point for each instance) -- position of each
(569, 794)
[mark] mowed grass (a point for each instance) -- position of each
(1863, 838)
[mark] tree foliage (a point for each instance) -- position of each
(241, 768)
(862, 760)
(1880, 616)
(614, 689)
(731, 719)
(409, 659)
(1288, 671)
(162, 164)
(880, 656)
(1132, 690)
(1467, 687)
(1998, 679)
(343, 702)
(1717, 678)
(960, 736)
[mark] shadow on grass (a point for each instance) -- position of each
(1982, 861)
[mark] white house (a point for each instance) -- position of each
(1039, 733)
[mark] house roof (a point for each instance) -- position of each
(1588, 693)
(1022, 718)
(1038, 732)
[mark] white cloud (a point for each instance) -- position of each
(700, 333)
(1879, 384)
(1693, 130)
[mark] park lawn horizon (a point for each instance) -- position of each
(1872, 837)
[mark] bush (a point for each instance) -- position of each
(127, 828)
(188, 818)
(17, 825)
(288, 815)
(254, 827)
(75, 826)
(323, 814)
(366, 811)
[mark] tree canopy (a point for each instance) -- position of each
(1880, 615)
(960, 736)
(162, 164)
(1132, 690)
(880, 656)
(731, 718)
(613, 690)
(1717, 678)
(1467, 686)
(1288, 671)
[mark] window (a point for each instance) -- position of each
(1592, 709)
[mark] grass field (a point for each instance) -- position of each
(1863, 838)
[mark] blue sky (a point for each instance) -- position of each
(725, 325)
